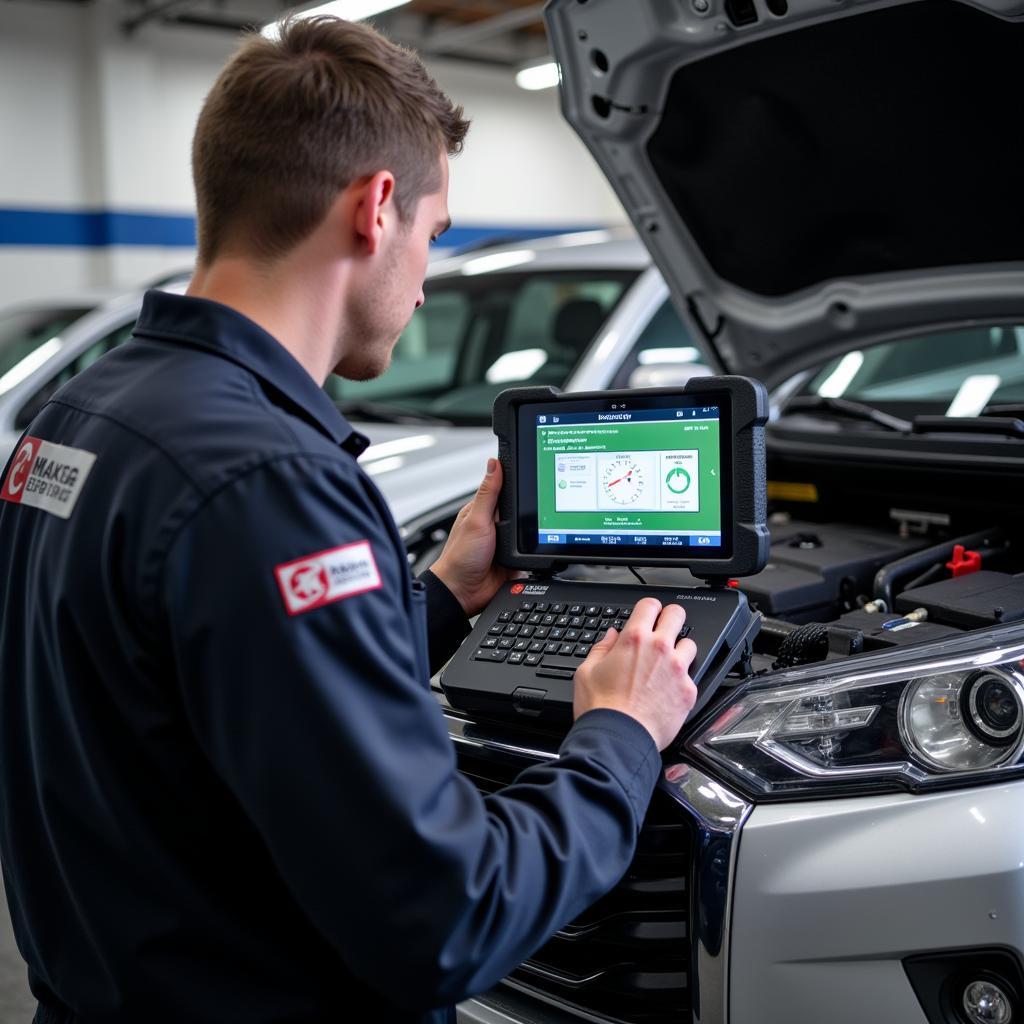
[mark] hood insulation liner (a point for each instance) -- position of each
(889, 141)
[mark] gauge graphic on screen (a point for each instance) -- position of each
(677, 480)
(623, 481)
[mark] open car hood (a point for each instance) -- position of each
(809, 175)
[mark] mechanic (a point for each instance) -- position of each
(228, 793)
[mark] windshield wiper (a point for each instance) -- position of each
(1007, 426)
(844, 407)
(378, 412)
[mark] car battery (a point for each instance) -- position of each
(815, 570)
(980, 599)
(892, 629)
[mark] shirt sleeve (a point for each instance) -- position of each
(447, 625)
(315, 709)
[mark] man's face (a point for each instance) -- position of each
(392, 287)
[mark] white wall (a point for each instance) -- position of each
(91, 120)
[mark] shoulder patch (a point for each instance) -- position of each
(328, 576)
(47, 476)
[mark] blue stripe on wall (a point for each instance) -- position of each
(100, 228)
(95, 228)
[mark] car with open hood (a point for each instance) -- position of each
(830, 191)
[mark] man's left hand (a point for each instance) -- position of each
(466, 565)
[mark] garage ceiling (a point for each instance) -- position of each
(507, 33)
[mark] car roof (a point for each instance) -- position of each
(612, 248)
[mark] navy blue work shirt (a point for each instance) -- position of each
(227, 794)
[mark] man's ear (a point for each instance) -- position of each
(375, 206)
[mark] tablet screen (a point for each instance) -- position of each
(630, 474)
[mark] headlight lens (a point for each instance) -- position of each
(926, 722)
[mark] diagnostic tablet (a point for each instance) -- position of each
(663, 476)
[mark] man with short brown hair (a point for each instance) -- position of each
(229, 796)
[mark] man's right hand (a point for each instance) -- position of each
(642, 671)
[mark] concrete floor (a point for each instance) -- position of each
(16, 1003)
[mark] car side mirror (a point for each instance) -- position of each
(660, 375)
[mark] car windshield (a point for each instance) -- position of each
(28, 337)
(477, 335)
(953, 373)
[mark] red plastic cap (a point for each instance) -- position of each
(733, 583)
(964, 562)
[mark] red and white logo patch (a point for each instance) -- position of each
(328, 576)
(47, 476)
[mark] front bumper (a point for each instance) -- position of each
(805, 912)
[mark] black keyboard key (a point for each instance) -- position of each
(489, 641)
(558, 608)
(556, 634)
(497, 629)
(571, 634)
(522, 645)
(575, 609)
(619, 624)
(532, 659)
(605, 623)
(684, 632)
(541, 633)
(537, 647)
(624, 613)
(526, 606)
(608, 612)
(535, 619)
(576, 621)
(548, 620)
(520, 617)
(562, 620)
(566, 649)
(504, 616)
(558, 662)
(588, 636)
(582, 650)
(516, 657)
(489, 655)
(506, 643)
(526, 630)
(592, 623)
(541, 606)
(551, 648)
(511, 629)
(593, 609)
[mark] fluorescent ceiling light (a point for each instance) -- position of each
(519, 365)
(836, 383)
(539, 76)
(654, 356)
(498, 261)
(349, 10)
(974, 394)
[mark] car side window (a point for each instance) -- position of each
(664, 341)
(82, 361)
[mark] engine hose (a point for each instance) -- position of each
(987, 542)
(807, 643)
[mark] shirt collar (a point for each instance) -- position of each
(225, 332)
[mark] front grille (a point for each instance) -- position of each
(627, 958)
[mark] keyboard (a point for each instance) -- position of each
(525, 647)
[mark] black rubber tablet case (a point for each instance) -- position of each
(749, 410)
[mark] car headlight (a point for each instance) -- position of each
(906, 720)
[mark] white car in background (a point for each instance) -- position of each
(579, 311)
